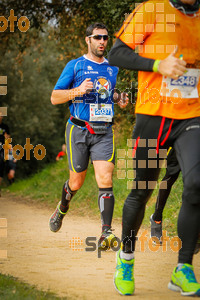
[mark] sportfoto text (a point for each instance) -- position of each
(18, 150)
(23, 22)
(145, 243)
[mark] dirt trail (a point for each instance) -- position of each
(45, 259)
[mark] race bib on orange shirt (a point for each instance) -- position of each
(184, 86)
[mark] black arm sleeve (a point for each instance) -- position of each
(123, 56)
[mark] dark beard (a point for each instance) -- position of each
(96, 53)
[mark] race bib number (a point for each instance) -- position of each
(183, 87)
(101, 112)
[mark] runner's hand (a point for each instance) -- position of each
(86, 86)
(172, 66)
(121, 99)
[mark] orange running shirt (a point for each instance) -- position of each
(153, 30)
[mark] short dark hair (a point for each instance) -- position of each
(93, 26)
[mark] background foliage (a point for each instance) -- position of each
(34, 60)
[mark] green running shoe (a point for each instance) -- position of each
(184, 281)
(124, 280)
(107, 240)
(55, 221)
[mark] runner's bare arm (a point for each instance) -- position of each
(63, 96)
(121, 99)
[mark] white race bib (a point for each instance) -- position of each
(184, 86)
(101, 112)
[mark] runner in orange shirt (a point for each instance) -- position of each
(165, 37)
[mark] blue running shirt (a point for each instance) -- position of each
(97, 105)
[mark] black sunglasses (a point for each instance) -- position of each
(99, 36)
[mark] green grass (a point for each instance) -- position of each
(46, 186)
(13, 289)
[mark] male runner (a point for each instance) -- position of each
(166, 35)
(87, 84)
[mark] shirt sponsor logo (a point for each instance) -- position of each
(110, 71)
(102, 87)
(91, 72)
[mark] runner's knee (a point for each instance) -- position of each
(192, 189)
(138, 197)
(104, 180)
(75, 184)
